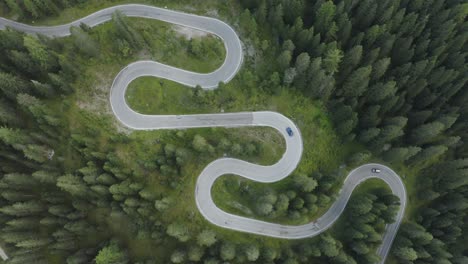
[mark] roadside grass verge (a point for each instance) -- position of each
(322, 147)
(374, 185)
(409, 175)
(163, 43)
(81, 10)
(165, 46)
(149, 95)
(146, 95)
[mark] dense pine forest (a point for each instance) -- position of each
(393, 74)
(390, 75)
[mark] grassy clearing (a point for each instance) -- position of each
(155, 96)
(150, 95)
(168, 44)
(163, 44)
(92, 89)
(410, 179)
(183, 206)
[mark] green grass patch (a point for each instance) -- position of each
(92, 88)
(167, 43)
(81, 10)
(146, 95)
(149, 95)
(88, 110)
(164, 44)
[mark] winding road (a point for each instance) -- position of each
(284, 167)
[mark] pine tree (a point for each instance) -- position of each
(248, 23)
(344, 28)
(178, 231)
(73, 185)
(30, 257)
(276, 17)
(39, 110)
(206, 238)
(368, 135)
(18, 180)
(270, 254)
(252, 252)
(195, 253)
(15, 7)
(428, 155)
(328, 246)
(400, 154)
(345, 118)
(8, 115)
(84, 43)
(388, 134)
(39, 53)
(370, 117)
(11, 85)
(425, 133)
(32, 8)
(178, 256)
(306, 184)
(320, 85)
(380, 91)
(356, 84)
(332, 60)
(302, 63)
(379, 68)
(284, 60)
(45, 177)
(23, 208)
(324, 17)
(24, 63)
(289, 76)
(24, 223)
(125, 31)
(263, 208)
(37, 153)
(15, 237)
(111, 254)
(14, 137)
(16, 195)
(351, 59)
(33, 243)
(227, 251)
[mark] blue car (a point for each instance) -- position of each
(290, 132)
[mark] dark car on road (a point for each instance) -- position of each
(375, 170)
(290, 132)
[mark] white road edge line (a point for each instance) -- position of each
(231, 65)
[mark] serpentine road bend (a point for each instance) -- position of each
(223, 166)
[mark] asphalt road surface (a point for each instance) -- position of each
(223, 166)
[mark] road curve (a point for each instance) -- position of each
(219, 167)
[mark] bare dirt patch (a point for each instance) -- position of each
(96, 98)
(188, 32)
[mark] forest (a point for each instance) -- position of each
(382, 81)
